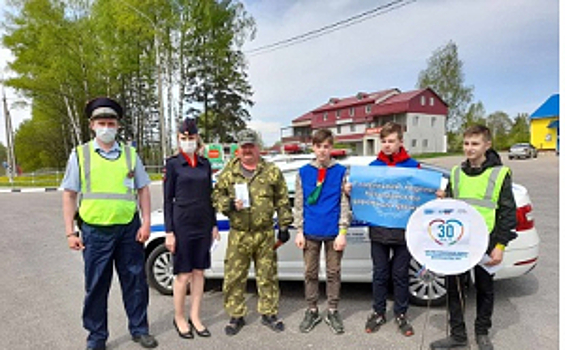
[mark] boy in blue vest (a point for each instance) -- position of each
(482, 180)
(385, 240)
(321, 217)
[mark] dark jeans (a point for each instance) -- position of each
(383, 266)
(104, 248)
(312, 269)
(456, 302)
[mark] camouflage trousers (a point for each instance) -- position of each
(244, 247)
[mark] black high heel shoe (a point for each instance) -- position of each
(186, 335)
(205, 333)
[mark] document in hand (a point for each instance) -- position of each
(242, 193)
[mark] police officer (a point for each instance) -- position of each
(251, 234)
(190, 223)
(109, 177)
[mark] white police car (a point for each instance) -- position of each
(520, 256)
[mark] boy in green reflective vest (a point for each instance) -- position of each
(483, 182)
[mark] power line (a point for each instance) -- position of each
(380, 10)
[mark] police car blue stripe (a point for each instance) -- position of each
(224, 225)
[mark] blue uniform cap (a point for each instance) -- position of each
(103, 107)
(188, 127)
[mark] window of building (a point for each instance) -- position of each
(433, 121)
(431, 101)
(425, 143)
(368, 109)
(338, 113)
(423, 100)
(325, 116)
(351, 112)
(414, 143)
(338, 129)
(352, 128)
(415, 121)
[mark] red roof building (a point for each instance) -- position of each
(357, 120)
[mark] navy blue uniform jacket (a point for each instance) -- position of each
(187, 197)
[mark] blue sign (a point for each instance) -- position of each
(387, 196)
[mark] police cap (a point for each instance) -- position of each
(188, 127)
(103, 107)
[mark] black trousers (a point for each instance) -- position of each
(456, 302)
(385, 266)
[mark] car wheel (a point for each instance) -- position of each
(159, 270)
(510, 157)
(425, 286)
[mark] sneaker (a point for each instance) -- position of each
(374, 322)
(333, 319)
(273, 322)
(483, 342)
(404, 325)
(311, 319)
(448, 343)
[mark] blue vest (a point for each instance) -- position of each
(321, 220)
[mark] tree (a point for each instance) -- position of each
(3, 156)
(499, 124)
(520, 131)
(444, 74)
(216, 76)
(66, 52)
(474, 115)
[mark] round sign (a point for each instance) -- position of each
(447, 236)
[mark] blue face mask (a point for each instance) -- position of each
(106, 135)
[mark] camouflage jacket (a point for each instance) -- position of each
(267, 193)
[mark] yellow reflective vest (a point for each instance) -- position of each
(480, 191)
(108, 196)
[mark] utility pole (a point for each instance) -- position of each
(11, 170)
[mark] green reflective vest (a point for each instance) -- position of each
(481, 191)
(107, 193)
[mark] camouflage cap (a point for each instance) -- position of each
(247, 136)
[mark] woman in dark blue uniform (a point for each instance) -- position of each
(190, 224)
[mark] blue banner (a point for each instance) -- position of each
(387, 196)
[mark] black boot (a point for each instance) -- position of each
(448, 343)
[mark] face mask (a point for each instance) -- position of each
(188, 146)
(106, 135)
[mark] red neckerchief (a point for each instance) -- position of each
(321, 176)
(190, 160)
(394, 158)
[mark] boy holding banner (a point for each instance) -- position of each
(483, 182)
(321, 217)
(385, 240)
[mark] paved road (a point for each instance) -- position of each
(41, 289)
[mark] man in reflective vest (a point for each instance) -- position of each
(483, 182)
(109, 180)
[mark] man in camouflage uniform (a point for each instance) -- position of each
(251, 234)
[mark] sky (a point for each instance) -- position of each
(509, 49)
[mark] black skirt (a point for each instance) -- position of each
(191, 253)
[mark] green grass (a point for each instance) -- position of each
(50, 180)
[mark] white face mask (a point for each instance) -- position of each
(106, 135)
(188, 146)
